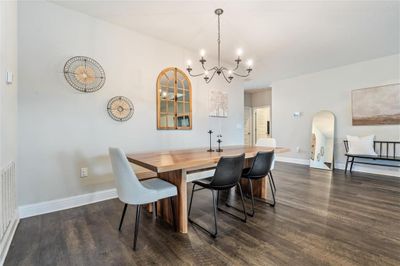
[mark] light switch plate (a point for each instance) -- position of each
(9, 77)
(296, 114)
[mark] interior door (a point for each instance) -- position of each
(262, 123)
(247, 126)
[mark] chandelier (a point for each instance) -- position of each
(227, 73)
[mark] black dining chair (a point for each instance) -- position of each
(260, 168)
(226, 176)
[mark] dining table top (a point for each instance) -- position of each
(171, 160)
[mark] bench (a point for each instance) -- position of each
(385, 150)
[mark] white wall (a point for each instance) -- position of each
(258, 98)
(8, 92)
(8, 118)
(247, 99)
(62, 130)
(261, 98)
(330, 90)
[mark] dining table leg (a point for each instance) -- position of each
(178, 178)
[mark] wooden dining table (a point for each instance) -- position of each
(177, 165)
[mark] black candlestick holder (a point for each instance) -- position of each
(210, 132)
(219, 143)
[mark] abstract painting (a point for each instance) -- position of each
(376, 105)
(218, 103)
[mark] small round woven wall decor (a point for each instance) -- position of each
(84, 74)
(120, 108)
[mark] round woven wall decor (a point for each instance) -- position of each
(120, 108)
(84, 74)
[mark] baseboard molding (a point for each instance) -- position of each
(7, 239)
(65, 203)
(292, 160)
(80, 200)
(378, 170)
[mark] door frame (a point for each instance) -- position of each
(251, 125)
(254, 131)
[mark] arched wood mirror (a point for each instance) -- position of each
(174, 100)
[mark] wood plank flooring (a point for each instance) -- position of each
(320, 218)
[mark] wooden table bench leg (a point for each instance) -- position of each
(178, 178)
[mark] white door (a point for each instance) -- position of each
(247, 126)
(262, 123)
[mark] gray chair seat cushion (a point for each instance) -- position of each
(163, 188)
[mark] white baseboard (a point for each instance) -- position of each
(65, 203)
(76, 201)
(7, 239)
(378, 170)
(292, 160)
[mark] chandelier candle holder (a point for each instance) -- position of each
(219, 143)
(227, 73)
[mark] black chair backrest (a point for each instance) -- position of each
(228, 172)
(261, 164)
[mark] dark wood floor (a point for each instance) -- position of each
(320, 219)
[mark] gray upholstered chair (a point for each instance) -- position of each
(132, 191)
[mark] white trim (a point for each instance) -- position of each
(7, 239)
(65, 203)
(378, 170)
(292, 160)
(79, 200)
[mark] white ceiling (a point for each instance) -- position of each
(284, 39)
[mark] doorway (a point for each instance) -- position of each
(262, 123)
(257, 115)
(248, 126)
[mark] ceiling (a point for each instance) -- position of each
(284, 39)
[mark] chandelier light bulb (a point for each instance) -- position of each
(189, 62)
(239, 52)
(230, 73)
(202, 52)
(206, 73)
(249, 63)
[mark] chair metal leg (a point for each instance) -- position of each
(173, 213)
(155, 210)
(272, 204)
(233, 207)
(272, 192)
(272, 179)
(138, 208)
(351, 165)
(123, 216)
(242, 198)
(214, 235)
(191, 199)
(347, 162)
